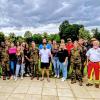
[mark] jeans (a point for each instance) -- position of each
(55, 63)
(63, 67)
(12, 67)
(18, 67)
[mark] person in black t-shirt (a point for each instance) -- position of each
(63, 60)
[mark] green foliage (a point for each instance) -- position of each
(96, 33)
(12, 37)
(54, 37)
(2, 37)
(37, 38)
(67, 30)
(28, 34)
(84, 34)
(20, 39)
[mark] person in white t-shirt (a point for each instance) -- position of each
(93, 62)
(45, 54)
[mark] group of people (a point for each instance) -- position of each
(22, 59)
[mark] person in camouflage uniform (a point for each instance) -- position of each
(83, 54)
(76, 64)
(34, 61)
(5, 62)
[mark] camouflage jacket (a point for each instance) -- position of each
(75, 56)
(34, 55)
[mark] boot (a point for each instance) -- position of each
(32, 77)
(73, 81)
(80, 83)
(37, 77)
(97, 85)
(89, 84)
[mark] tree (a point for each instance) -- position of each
(20, 39)
(67, 30)
(28, 34)
(12, 37)
(37, 38)
(2, 37)
(84, 34)
(96, 33)
(54, 37)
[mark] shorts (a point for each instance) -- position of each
(45, 65)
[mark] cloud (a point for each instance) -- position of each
(21, 14)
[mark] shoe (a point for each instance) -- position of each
(4, 78)
(58, 76)
(97, 85)
(89, 84)
(80, 83)
(48, 79)
(37, 77)
(63, 79)
(16, 79)
(55, 76)
(32, 78)
(73, 81)
(42, 79)
(27, 75)
(21, 77)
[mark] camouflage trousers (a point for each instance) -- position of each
(5, 69)
(34, 69)
(76, 71)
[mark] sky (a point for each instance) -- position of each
(40, 16)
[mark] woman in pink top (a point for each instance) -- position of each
(12, 58)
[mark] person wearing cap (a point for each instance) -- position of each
(93, 62)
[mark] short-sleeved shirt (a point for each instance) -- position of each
(62, 54)
(93, 54)
(45, 54)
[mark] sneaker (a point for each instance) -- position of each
(80, 83)
(55, 76)
(16, 79)
(63, 79)
(21, 77)
(27, 75)
(58, 76)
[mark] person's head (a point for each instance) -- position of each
(23, 44)
(62, 41)
(33, 44)
(26, 46)
(44, 41)
(18, 49)
(69, 40)
(12, 45)
(81, 41)
(92, 40)
(62, 46)
(18, 44)
(76, 44)
(96, 44)
(54, 42)
(3, 44)
(50, 42)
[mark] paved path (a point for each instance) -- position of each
(55, 90)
